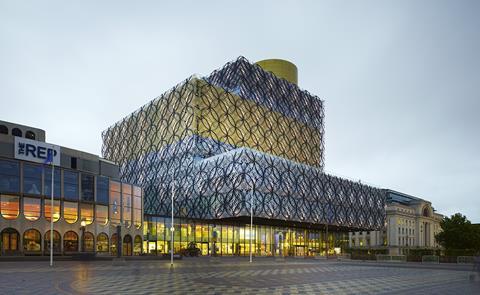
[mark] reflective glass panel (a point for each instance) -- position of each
(88, 187)
(31, 208)
(102, 190)
(115, 203)
(9, 177)
(86, 213)
(101, 214)
(57, 181)
(70, 185)
(32, 179)
(70, 212)
(127, 204)
(48, 207)
(9, 206)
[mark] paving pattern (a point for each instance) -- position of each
(231, 276)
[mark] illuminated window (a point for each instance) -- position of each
(32, 179)
(127, 204)
(32, 241)
(137, 207)
(137, 245)
(88, 242)
(70, 242)
(56, 242)
(86, 213)
(31, 208)
(113, 245)
(9, 177)
(115, 203)
(70, 212)
(10, 239)
(10, 206)
(127, 245)
(101, 214)
(56, 209)
(102, 242)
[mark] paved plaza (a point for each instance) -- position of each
(233, 276)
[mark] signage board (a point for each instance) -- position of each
(35, 151)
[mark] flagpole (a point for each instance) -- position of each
(51, 215)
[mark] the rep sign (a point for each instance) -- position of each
(35, 151)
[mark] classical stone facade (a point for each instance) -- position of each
(411, 223)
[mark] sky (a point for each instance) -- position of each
(400, 79)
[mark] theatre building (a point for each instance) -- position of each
(89, 202)
(244, 140)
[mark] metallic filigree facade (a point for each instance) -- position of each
(240, 131)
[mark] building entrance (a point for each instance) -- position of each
(299, 251)
(10, 238)
(204, 248)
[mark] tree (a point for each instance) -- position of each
(458, 233)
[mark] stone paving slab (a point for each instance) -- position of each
(230, 276)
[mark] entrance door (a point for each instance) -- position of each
(299, 250)
(204, 248)
(10, 238)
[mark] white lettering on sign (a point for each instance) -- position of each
(36, 151)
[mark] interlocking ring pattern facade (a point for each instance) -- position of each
(238, 132)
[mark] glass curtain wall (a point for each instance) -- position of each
(236, 239)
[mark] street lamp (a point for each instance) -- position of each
(83, 224)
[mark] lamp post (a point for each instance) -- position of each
(172, 228)
(83, 224)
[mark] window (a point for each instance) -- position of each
(113, 245)
(102, 190)
(88, 242)
(73, 163)
(70, 242)
(115, 203)
(102, 242)
(137, 245)
(101, 214)
(9, 177)
(88, 187)
(31, 208)
(32, 179)
(48, 209)
(30, 135)
(3, 129)
(17, 132)
(137, 207)
(127, 204)
(70, 185)
(86, 213)
(9, 206)
(70, 212)
(127, 245)
(57, 181)
(56, 242)
(32, 241)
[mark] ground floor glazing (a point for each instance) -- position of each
(229, 239)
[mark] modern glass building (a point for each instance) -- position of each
(89, 203)
(239, 140)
